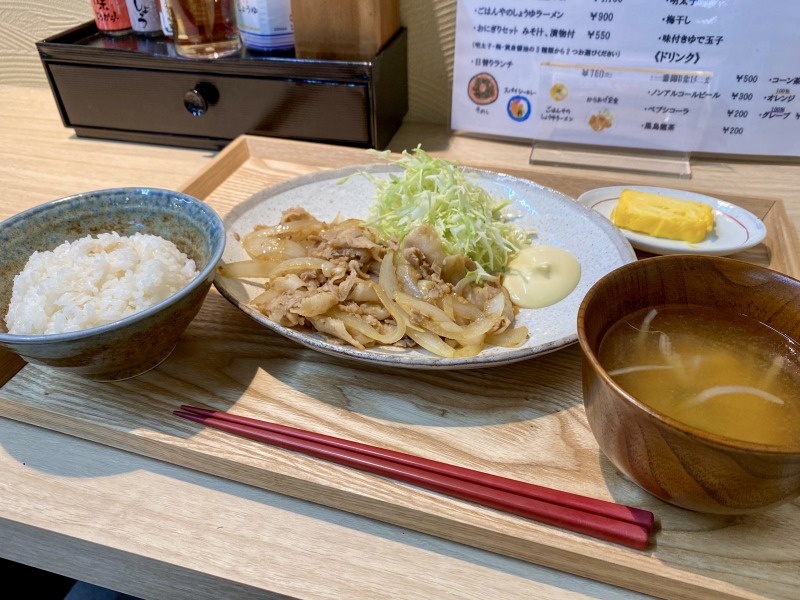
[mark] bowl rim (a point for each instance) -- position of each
(202, 276)
(707, 437)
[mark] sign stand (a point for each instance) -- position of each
(653, 162)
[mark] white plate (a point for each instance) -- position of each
(735, 229)
(558, 220)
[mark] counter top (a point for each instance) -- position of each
(156, 530)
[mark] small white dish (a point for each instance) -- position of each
(557, 219)
(735, 229)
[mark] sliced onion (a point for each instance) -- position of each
(248, 268)
(386, 277)
(299, 229)
(438, 322)
(305, 263)
(465, 310)
(432, 343)
(509, 338)
(259, 246)
(399, 315)
(458, 333)
(468, 351)
(447, 306)
(355, 323)
(428, 310)
(386, 288)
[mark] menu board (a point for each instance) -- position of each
(718, 76)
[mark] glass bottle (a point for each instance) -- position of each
(166, 23)
(266, 25)
(111, 16)
(204, 28)
(144, 17)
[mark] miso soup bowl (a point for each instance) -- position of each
(677, 463)
(139, 342)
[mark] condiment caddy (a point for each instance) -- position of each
(101, 84)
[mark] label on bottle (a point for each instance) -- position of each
(266, 24)
(111, 15)
(144, 16)
(166, 22)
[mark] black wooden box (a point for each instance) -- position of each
(138, 89)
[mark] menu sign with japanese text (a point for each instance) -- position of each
(719, 76)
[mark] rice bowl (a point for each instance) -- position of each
(138, 341)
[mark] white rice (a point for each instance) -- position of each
(95, 280)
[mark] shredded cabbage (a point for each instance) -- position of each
(440, 193)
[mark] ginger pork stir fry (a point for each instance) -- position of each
(343, 280)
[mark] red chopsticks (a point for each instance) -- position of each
(608, 521)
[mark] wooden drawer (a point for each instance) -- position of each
(142, 91)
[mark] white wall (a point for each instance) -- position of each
(22, 24)
(430, 23)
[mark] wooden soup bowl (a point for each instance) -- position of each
(677, 463)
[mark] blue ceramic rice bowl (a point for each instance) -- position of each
(136, 343)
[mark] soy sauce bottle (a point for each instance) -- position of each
(144, 17)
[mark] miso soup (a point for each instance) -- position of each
(724, 373)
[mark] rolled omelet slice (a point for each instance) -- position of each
(663, 216)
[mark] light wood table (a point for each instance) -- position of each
(156, 530)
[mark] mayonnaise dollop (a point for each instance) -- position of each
(541, 275)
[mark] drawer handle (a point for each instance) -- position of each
(198, 100)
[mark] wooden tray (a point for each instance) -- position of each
(524, 421)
